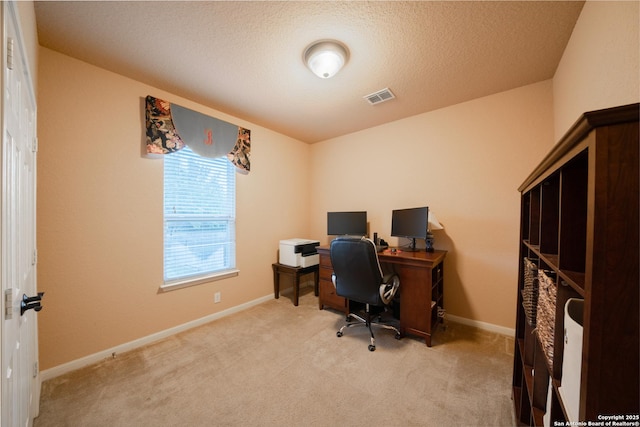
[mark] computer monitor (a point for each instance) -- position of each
(411, 223)
(347, 223)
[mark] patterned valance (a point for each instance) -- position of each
(170, 127)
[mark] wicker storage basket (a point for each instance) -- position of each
(546, 312)
(530, 291)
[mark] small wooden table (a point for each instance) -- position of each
(295, 272)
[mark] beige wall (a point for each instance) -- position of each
(465, 162)
(99, 200)
(100, 214)
(599, 68)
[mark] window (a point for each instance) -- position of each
(199, 218)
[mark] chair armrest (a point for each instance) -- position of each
(389, 287)
(389, 277)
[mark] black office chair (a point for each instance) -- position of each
(358, 277)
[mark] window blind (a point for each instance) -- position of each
(199, 216)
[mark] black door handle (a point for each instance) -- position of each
(29, 303)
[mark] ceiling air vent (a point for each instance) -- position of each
(379, 96)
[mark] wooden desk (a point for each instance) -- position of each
(295, 273)
(421, 288)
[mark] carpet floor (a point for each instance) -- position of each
(275, 364)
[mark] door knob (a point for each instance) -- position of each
(29, 303)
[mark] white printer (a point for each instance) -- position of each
(299, 252)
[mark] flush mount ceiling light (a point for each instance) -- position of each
(326, 57)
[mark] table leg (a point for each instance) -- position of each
(296, 288)
(316, 278)
(276, 282)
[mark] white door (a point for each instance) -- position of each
(20, 378)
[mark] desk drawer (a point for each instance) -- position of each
(325, 260)
(325, 274)
(328, 296)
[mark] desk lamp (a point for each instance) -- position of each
(433, 224)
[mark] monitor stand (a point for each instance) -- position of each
(412, 248)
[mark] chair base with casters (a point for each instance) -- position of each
(366, 321)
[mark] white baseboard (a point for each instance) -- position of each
(108, 353)
(482, 325)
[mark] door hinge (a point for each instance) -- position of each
(35, 257)
(10, 53)
(35, 144)
(8, 304)
(35, 370)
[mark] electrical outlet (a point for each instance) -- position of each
(216, 297)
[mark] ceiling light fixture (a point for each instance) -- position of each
(326, 57)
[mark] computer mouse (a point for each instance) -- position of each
(393, 250)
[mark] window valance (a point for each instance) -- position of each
(170, 127)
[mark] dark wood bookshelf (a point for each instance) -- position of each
(579, 222)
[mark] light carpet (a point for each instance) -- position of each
(280, 365)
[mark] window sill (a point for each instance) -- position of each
(185, 283)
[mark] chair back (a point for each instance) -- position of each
(357, 271)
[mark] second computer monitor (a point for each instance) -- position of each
(411, 223)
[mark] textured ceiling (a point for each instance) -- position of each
(245, 58)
